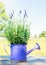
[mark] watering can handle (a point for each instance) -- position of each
(5, 48)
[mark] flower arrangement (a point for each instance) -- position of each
(17, 32)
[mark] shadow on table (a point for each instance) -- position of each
(5, 60)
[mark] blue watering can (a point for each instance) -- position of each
(19, 52)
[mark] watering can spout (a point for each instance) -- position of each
(36, 47)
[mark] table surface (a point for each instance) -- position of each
(32, 60)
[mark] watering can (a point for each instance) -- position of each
(19, 52)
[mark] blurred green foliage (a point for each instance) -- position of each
(3, 16)
(43, 34)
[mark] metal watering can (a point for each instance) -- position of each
(19, 52)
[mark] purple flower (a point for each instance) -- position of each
(25, 14)
(20, 12)
(11, 15)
